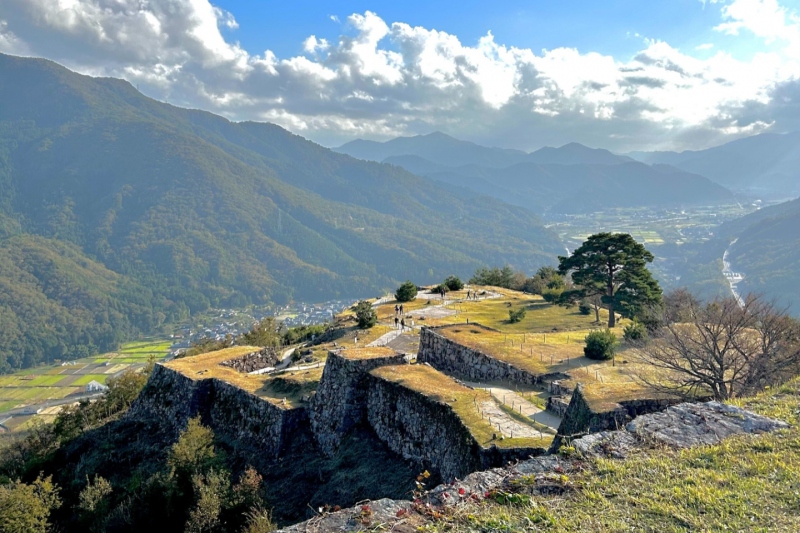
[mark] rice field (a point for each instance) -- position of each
(35, 386)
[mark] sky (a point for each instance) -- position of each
(621, 74)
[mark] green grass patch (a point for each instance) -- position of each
(85, 379)
(745, 483)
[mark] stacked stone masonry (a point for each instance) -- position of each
(469, 364)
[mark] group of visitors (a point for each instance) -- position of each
(472, 295)
(399, 318)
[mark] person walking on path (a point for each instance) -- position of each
(396, 309)
(401, 310)
(468, 293)
(396, 320)
(402, 324)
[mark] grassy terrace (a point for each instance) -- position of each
(358, 354)
(439, 387)
(538, 353)
(291, 386)
(541, 317)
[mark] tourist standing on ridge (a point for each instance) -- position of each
(396, 320)
(402, 324)
(401, 310)
(396, 309)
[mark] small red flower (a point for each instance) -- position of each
(461, 491)
(401, 512)
(446, 495)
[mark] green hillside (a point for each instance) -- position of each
(185, 210)
(768, 253)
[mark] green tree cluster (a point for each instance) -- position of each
(406, 292)
(600, 345)
(365, 314)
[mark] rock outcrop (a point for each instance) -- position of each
(679, 426)
(264, 358)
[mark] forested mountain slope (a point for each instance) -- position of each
(768, 253)
(202, 211)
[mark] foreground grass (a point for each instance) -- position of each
(748, 483)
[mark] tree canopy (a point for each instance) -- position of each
(613, 265)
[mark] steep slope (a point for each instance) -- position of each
(768, 253)
(204, 212)
(765, 164)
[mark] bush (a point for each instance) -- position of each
(585, 308)
(515, 315)
(552, 295)
(406, 292)
(439, 288)
(600, 345)
(635, 331)
(366, 315)
(453, 283)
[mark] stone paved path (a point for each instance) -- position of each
(519, 404)
(505, 424)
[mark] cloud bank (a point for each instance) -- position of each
(381, 80)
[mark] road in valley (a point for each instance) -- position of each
(733, 277)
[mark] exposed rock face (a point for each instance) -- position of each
(450, 357)
(680, 426)
(580, 418)
(264, 358)
(341, 399)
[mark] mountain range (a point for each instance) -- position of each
(168, 211)
(764, 165)
(566, 180)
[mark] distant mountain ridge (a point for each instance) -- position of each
(766, 164)
(566, 180)
(442, 149)
(187, 209)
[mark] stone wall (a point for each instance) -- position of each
(427, 431)
(264, 358)
(472, 365)
(341, 398)
(242, 419)
(422, 429)
(247, 421)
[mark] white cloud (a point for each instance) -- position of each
(704, 46)
(383, 80)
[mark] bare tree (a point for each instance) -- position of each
(721, 348)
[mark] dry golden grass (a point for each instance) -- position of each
(291, 386)
(463, 400)
(374, 352)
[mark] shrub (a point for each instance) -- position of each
(600, 345)
(406, 292)
(453, 283)
(585, 308)
(366, 315)
(516, 315)
(439, 288)
(635, 331)
(552, 295)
